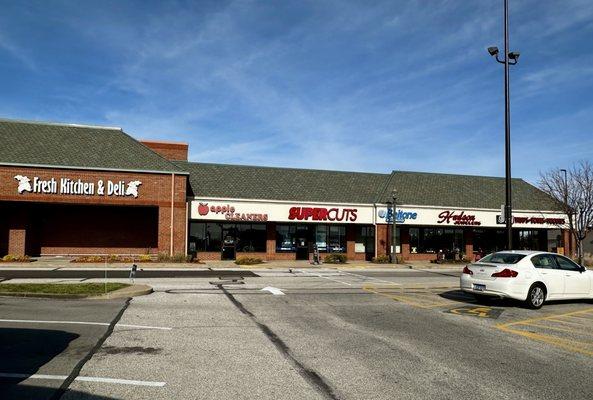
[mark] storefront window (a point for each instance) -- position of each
(433, 240)
(365, 239)
(285, 240)
(337, 239)
(328, 238)
(210, 236)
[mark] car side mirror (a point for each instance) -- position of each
(583, 269)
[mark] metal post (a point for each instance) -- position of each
(394, 234)
(507, 126)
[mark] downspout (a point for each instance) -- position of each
(186, 225)
(172, 212)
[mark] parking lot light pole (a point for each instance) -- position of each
(510, 58)
(393, 216)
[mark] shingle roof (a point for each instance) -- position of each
(76, 146)
(248, 182)
(446, 190)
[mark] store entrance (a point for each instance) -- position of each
(302, 248)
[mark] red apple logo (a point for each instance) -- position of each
(203, 209)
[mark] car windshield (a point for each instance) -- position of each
(502, 258)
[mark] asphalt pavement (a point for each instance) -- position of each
(329, 334)
(44, 342)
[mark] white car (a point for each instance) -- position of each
(530, 276)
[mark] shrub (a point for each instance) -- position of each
(145, 258)
(335, 258)
(383, 259)
(13, 258)
(176, 258)
(248, 261)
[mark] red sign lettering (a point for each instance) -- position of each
(322, 214)
(461, 218)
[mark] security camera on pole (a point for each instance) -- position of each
(510, 58)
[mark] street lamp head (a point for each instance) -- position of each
(514, 55)
(493, 51)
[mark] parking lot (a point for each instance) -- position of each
(310, 334)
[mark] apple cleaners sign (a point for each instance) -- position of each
(253, 211)
(67, 186)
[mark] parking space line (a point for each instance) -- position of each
(324, 277)
(555, 328)
(566, 344)
(29, 321)
(84, 379)
(371, 278)
(410, 300)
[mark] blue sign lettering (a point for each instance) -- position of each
(400, 215)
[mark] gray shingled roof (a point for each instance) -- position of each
(61, 145)
(247, 182)
(446, 190)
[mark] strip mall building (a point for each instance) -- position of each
(71, 190)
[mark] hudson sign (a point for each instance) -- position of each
(440, 217)
(279, 212)
(67, 186)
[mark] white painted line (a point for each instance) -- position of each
(29, 321)
(84, 379)
(273, 290)
(119, 381)
(324, 277)
(371, 278)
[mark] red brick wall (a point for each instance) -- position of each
(155, 191)
(169, 150)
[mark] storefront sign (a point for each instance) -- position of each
(322, 214)
(457, 218)
(229, 212)
(67, 186)
(534, 221)
(401, 216)
(239, 210)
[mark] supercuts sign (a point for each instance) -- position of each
(262, 211)
(322, 214)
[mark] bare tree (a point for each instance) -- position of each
(574, 194)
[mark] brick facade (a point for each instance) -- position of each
(22, 224)
(169, 150)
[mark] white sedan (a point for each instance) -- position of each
(530, 276)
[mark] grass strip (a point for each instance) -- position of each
(89, 289)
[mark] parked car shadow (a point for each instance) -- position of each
(462, 297)
(23, 352)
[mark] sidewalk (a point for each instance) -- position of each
(64, 263)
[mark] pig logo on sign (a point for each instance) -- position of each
(132, 189)
(24, 184)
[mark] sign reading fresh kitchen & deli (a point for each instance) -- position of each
(67, 186)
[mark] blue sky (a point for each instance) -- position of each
(362, 86)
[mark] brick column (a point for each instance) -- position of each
(351, 242)
(405, 242)
(17, 233)
(270, 240)
(382, 240)
(468, 234)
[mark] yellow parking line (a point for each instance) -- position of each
(404, 299)
(555, 328)
(549, 316)
(564, 322)
(570, 345)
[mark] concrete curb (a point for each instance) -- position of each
(124, 293)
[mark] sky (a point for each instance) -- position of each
(345, 85)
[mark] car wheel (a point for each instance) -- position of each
(536, 296)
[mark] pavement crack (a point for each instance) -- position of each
(312, 377)
(76, 371)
